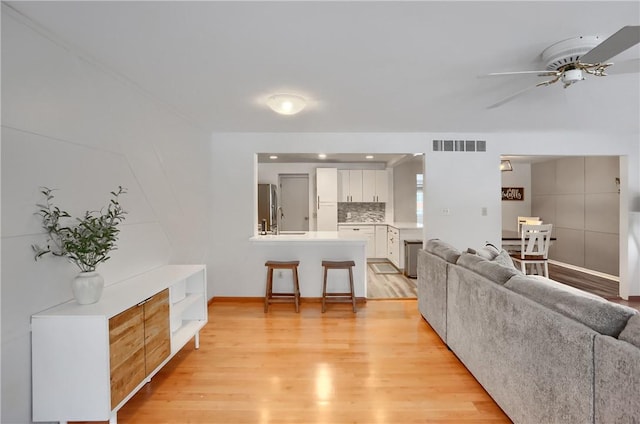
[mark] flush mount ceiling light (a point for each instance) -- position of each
(322, 156)
(286, 104)
(273, 157)
(505, 165)
(369, 157)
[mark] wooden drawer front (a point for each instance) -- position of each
(126, 352)
(156, 330)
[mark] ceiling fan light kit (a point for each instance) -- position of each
(570, 59)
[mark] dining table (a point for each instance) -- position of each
(511, 240)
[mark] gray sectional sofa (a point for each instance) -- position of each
(545, 352)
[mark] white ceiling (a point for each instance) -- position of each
(366, 66)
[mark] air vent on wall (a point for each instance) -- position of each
(459, 146)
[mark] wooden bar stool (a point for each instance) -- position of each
(270, 296)
(338, 297)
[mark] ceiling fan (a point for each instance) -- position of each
(568, 61)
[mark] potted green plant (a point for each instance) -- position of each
(84, 241)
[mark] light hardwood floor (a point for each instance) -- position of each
(389, 286)
(383, 364)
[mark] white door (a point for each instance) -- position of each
(294, 202)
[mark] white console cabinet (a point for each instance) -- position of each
(89, 360)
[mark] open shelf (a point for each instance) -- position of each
(186, 332)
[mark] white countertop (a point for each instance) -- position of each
(307, 237)
(398, 225)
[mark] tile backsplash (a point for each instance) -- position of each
(361, 212)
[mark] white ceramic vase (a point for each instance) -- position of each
(87, 287)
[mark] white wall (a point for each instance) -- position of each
(71, 125)
(512, 209)
(404, 189)
(579, 196)
(462, 182)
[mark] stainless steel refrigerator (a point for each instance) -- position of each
(267, 205)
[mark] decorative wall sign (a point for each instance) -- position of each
(512, 193)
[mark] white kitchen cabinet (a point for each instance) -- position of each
(327, 216)
(89, 360)
(350, 185)
(366, 232)
(393, 245)
(375, 185)
(327, 185)
(381, 241)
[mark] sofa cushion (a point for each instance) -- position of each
(631, 332)
(505, 259)
(491, 270)
(487, 252)
(442, 250)
(593, 311)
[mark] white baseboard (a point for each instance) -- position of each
(586, 271)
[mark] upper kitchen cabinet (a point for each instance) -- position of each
(327, 184)
(350, 185)
(375, 185)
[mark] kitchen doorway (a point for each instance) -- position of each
(294, 202)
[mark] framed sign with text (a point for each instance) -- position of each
(512, 193)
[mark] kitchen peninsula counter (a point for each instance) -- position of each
(311, 248)
(307, 237)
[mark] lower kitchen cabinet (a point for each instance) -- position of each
(393, 246)
(360, 231)
(88, 360)
(381, 241)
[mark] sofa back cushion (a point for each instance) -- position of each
(491, 270)
(488, 252)
(442, 250)
(593, 311)
(631, 332)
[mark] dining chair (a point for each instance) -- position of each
(534, 247)
(532, 220)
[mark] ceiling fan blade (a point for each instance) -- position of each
(511, 97)
(625, 38)
(500, 74)
(631, 66)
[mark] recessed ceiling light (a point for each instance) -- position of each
(322, 156)
(286, 104)
(369, 157)
(273, 157)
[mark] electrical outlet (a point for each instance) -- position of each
(348, 215)
(484, 211)
(279, 274)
